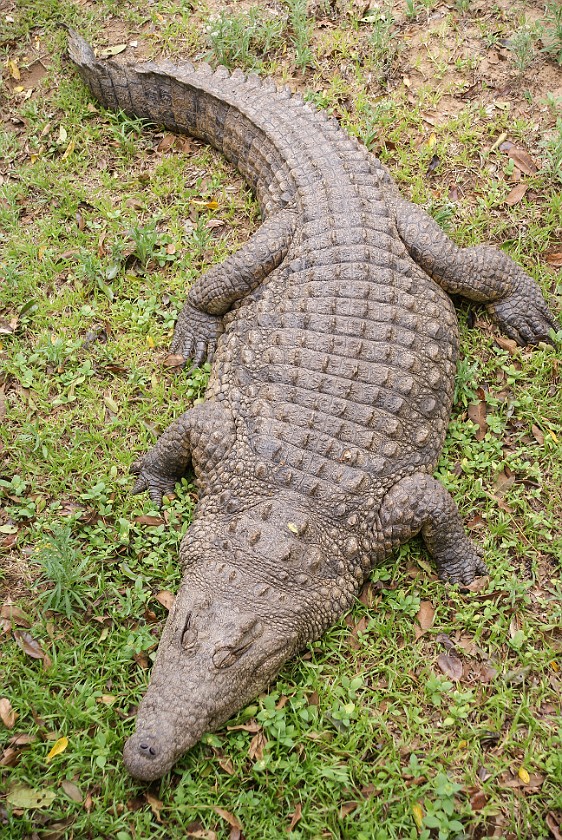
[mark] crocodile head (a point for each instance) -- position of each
(214, 657)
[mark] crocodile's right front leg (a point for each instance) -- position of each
(202, 436)
(200, 322)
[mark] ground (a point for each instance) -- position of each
(426, 712)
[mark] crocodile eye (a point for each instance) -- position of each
(188, 637)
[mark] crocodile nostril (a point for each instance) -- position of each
(145, 748)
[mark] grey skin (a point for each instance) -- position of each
(334, 344)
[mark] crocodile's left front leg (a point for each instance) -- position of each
(200, 321)
(481, 273)
(419, 503)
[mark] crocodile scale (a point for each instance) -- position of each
(334, 344)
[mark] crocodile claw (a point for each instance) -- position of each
(196, 335)
(157, 485)
(524, 316)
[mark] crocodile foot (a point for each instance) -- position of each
(196, 335)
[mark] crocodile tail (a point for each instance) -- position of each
(181, 97)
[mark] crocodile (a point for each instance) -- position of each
(334, 343)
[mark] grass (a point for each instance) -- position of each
(364, 735)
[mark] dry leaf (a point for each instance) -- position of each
(347, 808)
(478, 800)
(142, 660)
(7, 714)
(477, 413)
(554, 258)
(166, 598)
(424, 619)
(149, 520)
(516, 194)
(226, 815)
(14, 614)
(523, 160)
(71, 790)
(173, 360)
(10, 757)
(450, 665)
(538, 435)
(507, 344)
(227, 766)
(166, 143)
(360, 627)
(29, 645)
(257, 745)
(554, 826)
(58, 747)
(110, 51)
(503, 482)
(22, 796)
(246, 727)
(155, 806)
(297, 814)
(524, 775)
(417, 811)
(14, 70)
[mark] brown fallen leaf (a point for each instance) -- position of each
(478, 800)
(166, 598)
(297, 814)
(554, 826)
(477, 414)
(230, 818)
(173, 360)
(554, 258)
(450, 665)
(7, 714)
(14, 614)
(479, 584)
(71, 790)
(227, 765)
(523, 160)
(166, 142)
(507, 344)
(155, 805)
(246, 727)
(347, 808)
(31, 647)
(503, 481)
(9, 757)
(257, 745)
(142, 660)
(538, 435)
(360, 627)
(153, 521)
(516, 194)
(424, 619)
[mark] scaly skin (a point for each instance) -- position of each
(334, 346)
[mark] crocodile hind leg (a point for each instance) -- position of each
(200, 322)
(202, 436)
(481, 273)
(419, 503)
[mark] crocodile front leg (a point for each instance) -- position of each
(200, 323)
(202, 436)
(481, 273)
(419, 503)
